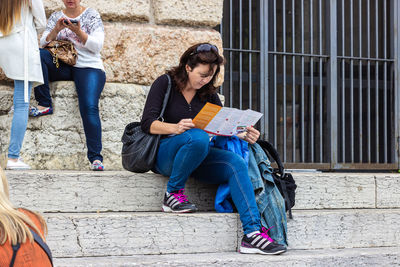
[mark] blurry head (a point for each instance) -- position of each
(198, 68)
(72, 4)
(13, 223)
(10, 13)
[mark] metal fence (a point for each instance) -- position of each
(323, 72)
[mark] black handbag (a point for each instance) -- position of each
(139, 149)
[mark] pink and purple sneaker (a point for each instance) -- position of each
(177, 202)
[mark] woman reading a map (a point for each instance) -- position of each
(184, 150)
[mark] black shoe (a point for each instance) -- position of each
(177, 202)
(261, 243)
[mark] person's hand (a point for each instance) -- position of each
(184, 125)
(251, 135)
(74, 27)
(60, 25)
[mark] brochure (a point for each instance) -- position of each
(224, 121)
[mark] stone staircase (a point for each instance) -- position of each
(113, 218)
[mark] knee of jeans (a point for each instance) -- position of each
(237, 163)
(199, 139)
(89, 109)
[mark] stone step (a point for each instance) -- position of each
(385, 256)
(72, 191)
(139, 233)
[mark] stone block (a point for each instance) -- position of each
(68, 191)
(116, 10)
(113, 234)
(6, 98)
(139, 53)
(334, 190)
(344, 229)
(325, 257)
(58, 141)
(388, 191)
(188, 12)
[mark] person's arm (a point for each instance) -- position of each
(53, 27)
(152, 110)
(95, 39)
(158, 127)
(39, 16)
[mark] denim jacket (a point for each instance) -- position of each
(270, 203)
(269, 200)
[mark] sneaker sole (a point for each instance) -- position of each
(168, 209)
(244, 250)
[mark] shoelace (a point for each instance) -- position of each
(264, 234)
(180, 196)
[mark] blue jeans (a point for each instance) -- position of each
(189, 154)
(89, 84)
(20, 119)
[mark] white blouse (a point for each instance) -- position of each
(91, 23)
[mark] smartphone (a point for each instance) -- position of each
(73, 21)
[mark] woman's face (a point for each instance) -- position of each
(200, 75)
(72, 3)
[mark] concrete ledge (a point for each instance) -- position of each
(100, 191)
(387, 191)
(73, 191)
(330, 257)
(344, 228)
(58, 141)
(121, 234)
(124, 234)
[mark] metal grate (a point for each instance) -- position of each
(323, 72)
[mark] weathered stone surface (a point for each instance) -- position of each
(344, 229)
(388, 192)
(58, 141)
(328, 257)
(72, 235)
(188, 12)
(335, 190)
(68, 191)
(6, 98)
(135, 233)
(65, 191)
(116, 10)
(139, 53)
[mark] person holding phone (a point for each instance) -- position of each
(20, 60)
(84, 28)
(184, 150)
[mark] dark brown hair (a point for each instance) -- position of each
(192, 58)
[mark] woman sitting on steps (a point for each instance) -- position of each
(184, 150)
(87, 35)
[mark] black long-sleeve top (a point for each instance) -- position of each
(177, 107)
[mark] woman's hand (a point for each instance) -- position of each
(76, 28)
(59, 27)
(184, 125)
(251, 135)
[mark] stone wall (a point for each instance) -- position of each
(143, 39)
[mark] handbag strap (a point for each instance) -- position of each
(166, 97)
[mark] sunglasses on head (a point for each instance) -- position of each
(205, 48)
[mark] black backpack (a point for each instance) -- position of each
(284, 181)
